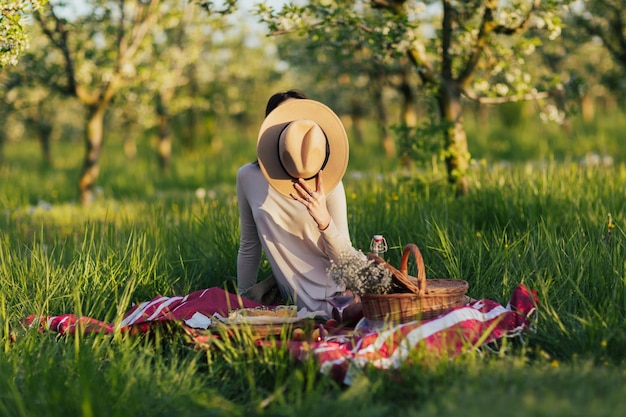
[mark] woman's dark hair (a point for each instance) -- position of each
(278, 98)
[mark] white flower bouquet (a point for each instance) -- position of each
(357, 273)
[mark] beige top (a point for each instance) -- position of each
(298, 252)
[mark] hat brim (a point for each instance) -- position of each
(278, 119)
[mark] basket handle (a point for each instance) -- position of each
(409, 249)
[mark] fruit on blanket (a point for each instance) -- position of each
(331, 323)
(319, 334)
(298, 334)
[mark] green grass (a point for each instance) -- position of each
(545, 224)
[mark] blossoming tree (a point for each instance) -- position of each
(471, 49)
(94, 55)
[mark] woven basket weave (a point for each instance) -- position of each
(413, 298)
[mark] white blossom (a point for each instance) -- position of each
(501, 89)
(550, 113)
(360, 275)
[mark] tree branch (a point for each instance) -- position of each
(417, 56)
(595, 30)
(395, 6)
(487, 27)
(229, 7)
(523, 25)
(58, 37)
(425, 68)
(341, 22)
(140, 30)
(120, 31)
(617, 25)
(512, 99)
(446, 39)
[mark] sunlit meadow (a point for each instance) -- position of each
(553, 220)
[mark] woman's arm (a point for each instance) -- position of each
(250, 250)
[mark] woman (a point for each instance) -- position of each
(292, 202)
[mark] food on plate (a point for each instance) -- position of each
(279, 311)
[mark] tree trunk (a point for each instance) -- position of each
(409, 113)
(561, 105)
(129, 140)
(45, 131)
(165, 138)
(381, 116)
(190, 130)
(93, 144)
(588, 107)
(356, 113)
(455, 139)
(2, 140)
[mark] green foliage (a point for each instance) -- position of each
(420, 143)
(13, 31)
(478, 50)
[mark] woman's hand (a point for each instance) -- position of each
(313, 200)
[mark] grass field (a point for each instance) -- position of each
(543, 219)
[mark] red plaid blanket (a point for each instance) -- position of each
(462, 329)
(193, 311)
(465, 328)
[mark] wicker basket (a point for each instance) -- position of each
(413, 298)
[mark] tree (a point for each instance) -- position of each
(460, 49)
(189, 73)
(178, 42)
(102, 51)
(604, 22)
(35, 107)
(363, 83)
(13, 37)
(174, 45)
(30, 102)
(606, 19)
(96, 54)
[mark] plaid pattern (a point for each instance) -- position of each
(464, 328)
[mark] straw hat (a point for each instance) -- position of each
(298, 139)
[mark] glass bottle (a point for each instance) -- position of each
(378, 245)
